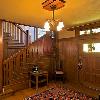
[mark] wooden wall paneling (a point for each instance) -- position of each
(90, 62)
(42, 46)
(65, 54)
(70, 58)
(61, 54)
(39, 47)
(97, 68)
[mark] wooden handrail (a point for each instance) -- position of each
(9, 28)
(20, 28)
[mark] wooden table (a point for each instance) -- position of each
(37, 74)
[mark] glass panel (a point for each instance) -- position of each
(85, 32)
(96, 30)
(93, 47)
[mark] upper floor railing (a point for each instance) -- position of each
(12, 31)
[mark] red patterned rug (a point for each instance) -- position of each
(60, 93)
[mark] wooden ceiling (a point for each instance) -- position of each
(30, 12)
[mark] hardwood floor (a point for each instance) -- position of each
(20, 95)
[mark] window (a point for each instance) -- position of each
(85, 32)
(93, 47)
(41, 32)
(95, 30)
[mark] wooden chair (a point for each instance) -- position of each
(59, 74)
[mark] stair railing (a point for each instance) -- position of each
(17, 67)
(14, 32)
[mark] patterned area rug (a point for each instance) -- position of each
(60, 93)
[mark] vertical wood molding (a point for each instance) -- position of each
(1, 55)
(69, 56)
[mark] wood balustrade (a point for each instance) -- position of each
(17, 67)
(14, 38)
(15, 32)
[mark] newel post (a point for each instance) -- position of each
(1, 55)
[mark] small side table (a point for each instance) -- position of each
(37, 74)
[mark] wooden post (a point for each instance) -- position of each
(27, 37)
(56, 50)
(36, 33)
(1, 55)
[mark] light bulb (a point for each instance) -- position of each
(47, 26)
(60, 26)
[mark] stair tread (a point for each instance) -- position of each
(13, 41)
(16, 47)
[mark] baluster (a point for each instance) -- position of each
(24, 41)
(12, 31)
(14, 68)
(21, 37)
(17, 34)
(10, 69)
(8, 73)
(5, 27)
(17, 64)
(8, 27)
(3, 24)
(4, 74)
(6, 69)
(27, 36)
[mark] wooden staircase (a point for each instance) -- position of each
(17, 66)
(14, 38)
